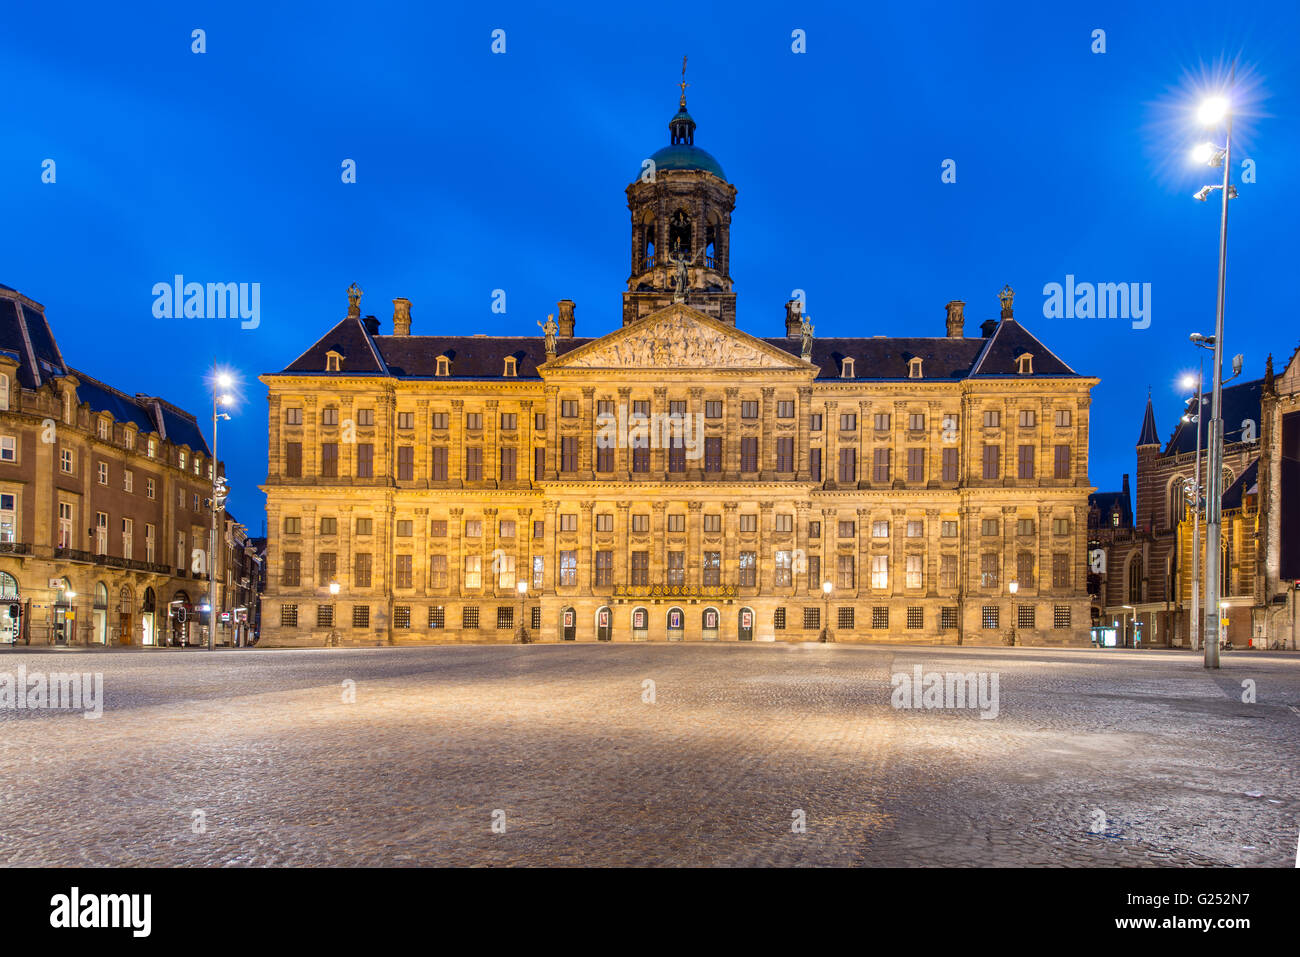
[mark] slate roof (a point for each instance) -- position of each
(1105, 501)
(1240, 401)
(482, 357)
(26, 334)
(1149, 435)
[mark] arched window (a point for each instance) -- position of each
(648, 239)
(1135, 580)
(679, 233)
(8, 586)
(1025, 364)
(333, 361)
(1177, 501)
(4, 390)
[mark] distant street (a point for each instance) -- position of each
(731, 755)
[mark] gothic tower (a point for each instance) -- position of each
(681, 207)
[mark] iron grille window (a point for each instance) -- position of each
(989, 617)
(1025, 616)
(324, 616)
(289, 616)
(915, 616)
(947, 618)
(360, 616)
(844, 617)
(469, 617)
(1061, 616)
(437, 616)
(401, 616)
(880, 616)
(505, 616)
(536, 617)
(812, 618)
(778, 619)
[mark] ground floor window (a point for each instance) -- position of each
(1025, 617)
(469, 617)
(812, 618)
(401, 616)
(778, 619)
(947, 618)
(437, 616)
(879, 616)
(505, 616)
(915, 617)
(536, 617)
(1061, 616)
(360, 616)
(990, 616)
(324, 616)
(288, 616)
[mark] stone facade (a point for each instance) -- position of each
(424, 476)
(103, 499)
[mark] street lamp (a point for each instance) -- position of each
(333, 638)
(223, 380)
(826, 635)
(1133, 612)
(1213, 111)
(1013, 587)
(521, 634)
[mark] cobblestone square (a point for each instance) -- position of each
(255, 758)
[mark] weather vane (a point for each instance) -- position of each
(684, 84)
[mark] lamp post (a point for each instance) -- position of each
(1197, 504)
(1212, 112)
(1133, 613)
(223, 381)
(826, 635)
(521, 634)
(1013, 587)
(333, 638)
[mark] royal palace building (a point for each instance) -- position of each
(104, 501)
(677, 478)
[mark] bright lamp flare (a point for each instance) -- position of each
(1213, 110)
(1188, 381)
(1204, 153)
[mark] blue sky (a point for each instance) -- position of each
(478, 171)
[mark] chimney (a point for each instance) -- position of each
(956, 319)
(793, 319)
(1125, 485)
(987, 327)
(401, 317)
(566, 320)
(371, 324)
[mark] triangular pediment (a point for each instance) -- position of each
(678, 338)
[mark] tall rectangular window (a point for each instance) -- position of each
(916, 465)
(292, 460)
(507, 469)
(474, 463)
(1026, 462)
(749, 453)
(815, 464)
(992, 461)
(676, 568)
(568, 568)
(438, 463)
(947, 571)
(402, 571)
(604, 567)
(713, 453)
(879, 571)
(990, 576)
(950, 465)
(405, 463)
(785, 454)
(365, 460)
(915, 571)
(361, 570)
(604, 458)
(290, 569)
(640, 568)
(1060, 570)
(569, 453)
(437, 571)
(327, 563)
(848, 465)
(746, 566)
(1061, 462)
(844, 566)
(711, 568)
(473, 571)
(329, 459)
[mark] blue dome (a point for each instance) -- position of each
(684, 156)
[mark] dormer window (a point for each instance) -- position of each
(104, 428)
(1025, 364)
(914, 367)
(444, 366)
(511, 368)
(846, 369)
(333, 361)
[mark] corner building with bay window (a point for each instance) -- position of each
(938, 483)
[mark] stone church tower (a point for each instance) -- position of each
(681, 207)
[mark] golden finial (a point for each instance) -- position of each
(684, 84)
